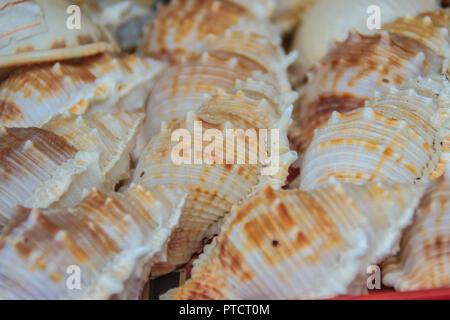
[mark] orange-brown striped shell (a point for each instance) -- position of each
(33, 95)
(294, 244)
(109, 240)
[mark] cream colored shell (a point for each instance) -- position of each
(38, 31)
(299, 245)
(112, 240)
(424, 258)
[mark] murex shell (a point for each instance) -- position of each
(32, 95)
(37, 31)
(54, 166)
(354, 70)
(293, 244)
(109, 240)
(396, 138)
(321, 27)
(424, 258)
(213, 188)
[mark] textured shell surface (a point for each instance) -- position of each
(424, 258)
(181, 27)
(327, 21)
(214, 186)
(36, 31)
(292, 244)
(113, 238)
(355, 69)
(31, 96)
(184, 87)
(38, 168)
(395, 139)
(112, 135)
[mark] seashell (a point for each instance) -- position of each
(214, 185)
(424, 258)
(39, 168)
(293, 244)
(181, 27)
(113, 136)
(320, 26)
(355, 69)
(33, 31)
(109, 240)
(395, 139)
(125, 20)
(183, 87)
(31, 96)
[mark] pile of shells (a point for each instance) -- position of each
(111, 114)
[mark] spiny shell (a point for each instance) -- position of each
(395, 139)
(33, 95)
(424, 258)
(261, 9)
(181, 27)
(39, 168)
(112, 135)
(36, 31)
(353, 70)
(293, 244)
(111, 239)
(214, 187)
(429, 29)
(321, 26)
(183, 87)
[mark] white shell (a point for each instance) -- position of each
(395, 139)
(111, 240)
(38, 31)
(31, 96)
(299, 245)
(328, 21)
(111, 135)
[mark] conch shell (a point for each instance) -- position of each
(354, 70)
(424, 258)
(36, 31)
(109, 240)
(33, 95)
(38, 168)
(395, 139)
(327, 21)
(299, 245)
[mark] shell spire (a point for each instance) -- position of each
(299, 245)
(111, 240)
